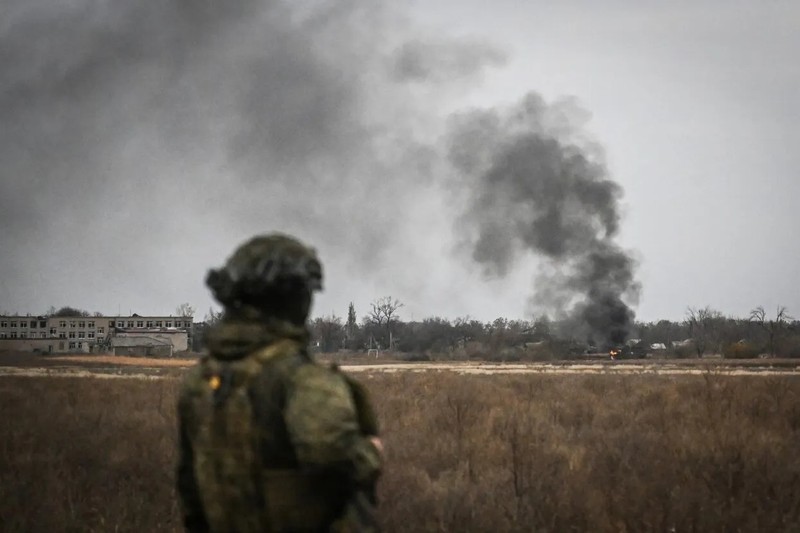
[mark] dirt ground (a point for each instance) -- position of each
(123, 360)
(26, 359)
(20, 363)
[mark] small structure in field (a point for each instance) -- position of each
(141, 346)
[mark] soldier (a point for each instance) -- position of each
(270, 440)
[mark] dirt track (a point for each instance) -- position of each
(573, 368)
(171, 369)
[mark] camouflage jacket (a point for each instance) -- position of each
(270, 440)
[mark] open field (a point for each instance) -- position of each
(465, 452)
(122, 360)
(77, 365)
(26, 359)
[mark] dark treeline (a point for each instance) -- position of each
(703, 332)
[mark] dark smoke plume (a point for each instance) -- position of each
(533, 184)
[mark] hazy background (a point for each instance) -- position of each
(141, 143)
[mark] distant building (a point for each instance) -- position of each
(29, 345)
(90, 334)
(141, 345)
(177, 338)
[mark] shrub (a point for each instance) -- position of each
(788, 346)
(740, 350)
(685, 351)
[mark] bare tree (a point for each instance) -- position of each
(384, 311)
(772, 327)
(329, 332)
(184, 310)
(383, 314)
(212, 317)
(704, 325)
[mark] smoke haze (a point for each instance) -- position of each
(132, 129)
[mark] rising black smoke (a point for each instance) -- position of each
(533, 184)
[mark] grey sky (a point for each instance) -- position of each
(141, 144)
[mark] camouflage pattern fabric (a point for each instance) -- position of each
(271, 441)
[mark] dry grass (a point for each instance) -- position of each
(82, 454)
(464, 453)
(122, 360)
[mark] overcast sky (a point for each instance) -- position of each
(142, 143)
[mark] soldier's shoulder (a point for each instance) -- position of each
(321, 378)
(279, 350)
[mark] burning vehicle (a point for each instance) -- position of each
(616, 352)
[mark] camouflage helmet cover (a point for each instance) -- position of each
(264, 263)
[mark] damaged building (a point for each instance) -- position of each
(96, 334)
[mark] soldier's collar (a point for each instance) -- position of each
(235, 338)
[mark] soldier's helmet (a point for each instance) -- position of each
(265, 268)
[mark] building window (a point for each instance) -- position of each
(53, 332)
(4, 324)
(90, 335)
(81, 324)
(187, 324)
(158, 323)
(90, 324)
(13, 323)
(140, 323)
(62, 323)
(32, 326)
(43, 324)
(168, 323)
(111, 323)
(72, 346)
(42, 335)
(149, 323)
(101, 329)
(12, 335)
(2, 335)
(72, 323)
(62, 335)
(81, 335)
(130, 323)
(71, 334)
(23, 335)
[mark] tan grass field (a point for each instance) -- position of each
(151, 362)
(464, 453)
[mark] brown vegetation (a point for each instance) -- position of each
(123, 360)
(465, 453)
